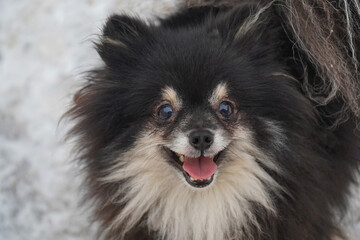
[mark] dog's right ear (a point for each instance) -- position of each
(249, 24)
(122, 40)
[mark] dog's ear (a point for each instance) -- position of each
(122, 40)
(249, 25)
(124, 29)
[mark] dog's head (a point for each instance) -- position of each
(183, 119)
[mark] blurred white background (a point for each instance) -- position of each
(45, 45)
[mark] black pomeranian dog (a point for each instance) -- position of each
(223, 123)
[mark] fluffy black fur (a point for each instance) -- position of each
(193, 51)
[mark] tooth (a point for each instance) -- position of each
(181, 158)
(178, 154)
(192, 179)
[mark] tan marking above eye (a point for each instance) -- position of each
(219, 94)
(170, 95)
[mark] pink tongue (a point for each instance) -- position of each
(200, 168)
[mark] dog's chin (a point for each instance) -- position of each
(194, 180)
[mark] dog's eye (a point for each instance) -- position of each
(226, 109)
(165, 112)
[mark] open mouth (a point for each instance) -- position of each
(198, 172)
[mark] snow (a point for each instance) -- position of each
(45, 46)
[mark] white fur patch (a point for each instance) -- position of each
(181, 144)
(178, 211)
(221, 141)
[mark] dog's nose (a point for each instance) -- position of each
(201, 139)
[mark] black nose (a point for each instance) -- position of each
(201, 139)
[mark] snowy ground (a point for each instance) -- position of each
(44, 48)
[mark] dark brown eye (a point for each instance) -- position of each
(165, 112)
(226, 109)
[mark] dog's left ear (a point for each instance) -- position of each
(124, 28)
(122, 40)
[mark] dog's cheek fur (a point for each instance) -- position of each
(151, 193)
